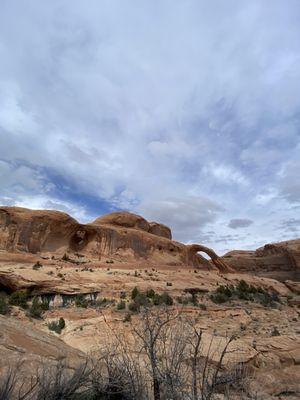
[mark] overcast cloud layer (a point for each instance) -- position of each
(187, 112)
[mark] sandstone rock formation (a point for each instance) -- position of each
(121, 236)
(279, 260)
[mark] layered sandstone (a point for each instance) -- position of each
(122, 237)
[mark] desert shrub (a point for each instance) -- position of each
(142, 299)
(67, 299)
(102, 302)
(19, 298)
(275, 331)
(81, 301)
(163, 298)
(61, 323)
(57, 326)
(134, 293)
(123, 295)
(121, 305)
(225, 290)
(37, 265)
(127, 318)
(46, 301)
(166, 299)
(244, 291)
(35, 310)
(219, 298)
(150, 293)
(4, 308)
(268, 300)
(65, 257)
(202, 306)
(134, 307)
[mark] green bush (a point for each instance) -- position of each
(65, 257)
(35, 310)
(244, 291)
(134, 293)
(61, 323)
(46, 301)
(80, 301)
(37, 265)
(219, 298)
(19, 298)
(275, 331)
(150, 293)
(141, 299)
(163, 298)
(121, 305)
(166, 299)
(57, 326)
(4, 308)
(134, 307)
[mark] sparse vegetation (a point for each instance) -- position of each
(81, 301)
(37, 265)
(57, 326)
(244, 291)
(35, 310)
(134, 307)
(152, 367)
(134, 293)
(65, 257)
(150, 293)
(149, 298)
(121, 305)
(19, 298)
(275, 331)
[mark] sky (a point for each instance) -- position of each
(184, 111)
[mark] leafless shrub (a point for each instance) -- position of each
(58, 382)
(14, 385)
(166, 356)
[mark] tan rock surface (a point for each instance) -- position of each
(21, 339)
(123, 237)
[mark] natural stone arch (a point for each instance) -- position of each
(220, 264)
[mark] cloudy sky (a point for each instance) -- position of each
(187, 112)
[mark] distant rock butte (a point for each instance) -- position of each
(119, 236)
(278, 260)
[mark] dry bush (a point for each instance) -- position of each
(163, 358)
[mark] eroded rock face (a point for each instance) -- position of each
(120, 236)
(160, 230)
(34, 231)
(279, 260)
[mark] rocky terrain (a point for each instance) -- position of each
(98, 277)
